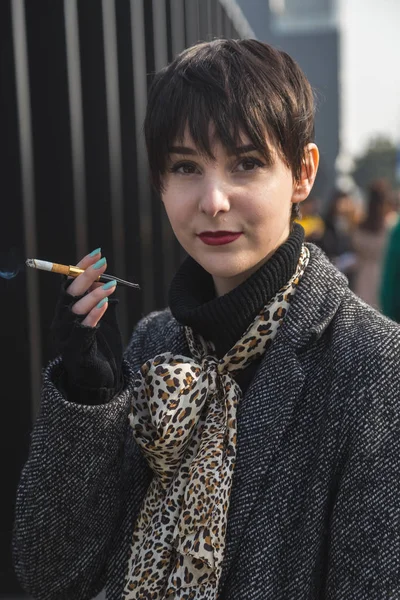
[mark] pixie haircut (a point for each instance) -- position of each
(238, 86)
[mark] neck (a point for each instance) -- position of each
(193, 301)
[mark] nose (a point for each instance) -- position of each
(214, 199)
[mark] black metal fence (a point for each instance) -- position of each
(74, 76)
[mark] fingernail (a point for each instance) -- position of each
(102, 302)
(109, 285)
(97, 251)
(100, 263)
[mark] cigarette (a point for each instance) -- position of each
(72, 271)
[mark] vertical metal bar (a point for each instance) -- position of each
(28, 193)
(227, 26)
(237, 18)
(160, 34)
(115, 150)
(219, 23)
(203, 20)
(76, 118)
(161, 59)
(210, 28)
(178, 44)
(140, 94)
(178, 26)
(192, 22)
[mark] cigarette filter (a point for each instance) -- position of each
(72, 271)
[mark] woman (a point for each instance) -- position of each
(311, 220)
(337, 241)
(247, 444)
(369, 242)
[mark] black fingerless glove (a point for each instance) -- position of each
(92, 356)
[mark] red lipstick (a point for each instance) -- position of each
(218, 238)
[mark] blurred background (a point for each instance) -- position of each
(74, 76)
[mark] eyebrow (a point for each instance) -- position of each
(192, 152)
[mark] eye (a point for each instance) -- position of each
(184, 168)
(249, 164)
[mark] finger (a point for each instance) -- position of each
(85, 280)
(89, 259)
(96, 313)
(91, 300)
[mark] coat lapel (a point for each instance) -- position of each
(265, 411)
(263, 416)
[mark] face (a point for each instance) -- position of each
(230, 214)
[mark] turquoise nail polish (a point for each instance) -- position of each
(102, 302)
(100, 263)
(97, 251)
(109, 285)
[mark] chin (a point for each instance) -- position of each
(222, 267)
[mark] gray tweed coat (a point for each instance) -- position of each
(315, 505)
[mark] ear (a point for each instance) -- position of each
(309, 167)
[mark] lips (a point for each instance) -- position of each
(219, 238)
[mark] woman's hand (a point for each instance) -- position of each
(94, 302)
(87, 336)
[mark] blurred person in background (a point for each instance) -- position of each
(311, 221)
(340, 222)
(389, 293)
(370, 239)
(394, 208)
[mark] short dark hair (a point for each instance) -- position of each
(239, 86)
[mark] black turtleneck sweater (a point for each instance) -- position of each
(224, 319)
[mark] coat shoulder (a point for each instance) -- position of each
(366, 338)
(328, 308)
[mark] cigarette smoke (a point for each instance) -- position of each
(10, 264)
(8, 274)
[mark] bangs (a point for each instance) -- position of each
(208, 119)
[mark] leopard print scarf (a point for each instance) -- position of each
(183, 417)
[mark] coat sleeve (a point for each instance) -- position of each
(70, 490)
(364, 561)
